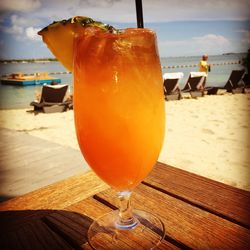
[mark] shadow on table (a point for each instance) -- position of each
(5, 197)
(43, 229)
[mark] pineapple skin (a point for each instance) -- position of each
(59, 36)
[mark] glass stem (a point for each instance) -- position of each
(126, 219)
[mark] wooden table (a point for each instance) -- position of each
(198, 213)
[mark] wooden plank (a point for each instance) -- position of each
(10, 242)
(34, 235)
(13, 220)
(218, 198)
(186, 224)
(94, 209)
(48, 238)
(28, 163)
(73, 225)
(58, 195)
(190, 220)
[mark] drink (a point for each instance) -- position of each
(119, 117)
(119, 104)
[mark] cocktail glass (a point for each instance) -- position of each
(119, 120)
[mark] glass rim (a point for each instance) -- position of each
(122, 32)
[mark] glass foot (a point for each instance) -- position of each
(146, 233)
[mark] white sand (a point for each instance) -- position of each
(208, 136)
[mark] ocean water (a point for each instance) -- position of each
(16, 97)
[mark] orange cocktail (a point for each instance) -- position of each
(119, 104)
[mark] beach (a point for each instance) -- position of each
(208, 136)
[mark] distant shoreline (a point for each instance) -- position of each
(39, 60)
(47, 60)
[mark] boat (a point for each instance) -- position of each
(33, 79)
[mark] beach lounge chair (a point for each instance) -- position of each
(52, 99)
(171, 86)
(195, 84)
(234, 84)
(246, 81)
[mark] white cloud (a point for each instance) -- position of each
(31, 33)
(21, 28)
(209, 43)
(173, 10)
(14, 29)
(124, 10)
(19, 5)
(153, 10)
(18, 20)
(17, 23)
(21, 18)
(16, 26)
(98, 3)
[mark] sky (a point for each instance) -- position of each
(183, 27)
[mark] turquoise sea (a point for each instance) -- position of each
(15, 97)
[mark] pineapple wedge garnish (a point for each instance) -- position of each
(59, 36)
